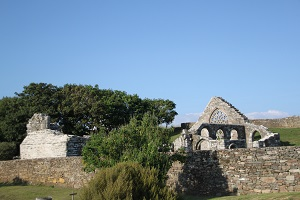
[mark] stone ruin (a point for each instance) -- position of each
(45, 140)
(222, 126)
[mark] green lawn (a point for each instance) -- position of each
(32, 192)
(58, 193)
(288, 136)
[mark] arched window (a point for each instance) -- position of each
(220, 134)
(218, 117)
(256, 136)
(205, 133)
(233, 135)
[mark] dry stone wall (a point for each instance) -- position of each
(288, 122)
(238, 171)
(235, 171)
(66, 171)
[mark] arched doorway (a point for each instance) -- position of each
(203, 145)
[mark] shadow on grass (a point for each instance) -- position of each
(286, 143)
(17, 181)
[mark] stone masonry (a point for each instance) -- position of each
(237, 171)
(64, 171)
(43, 142)
(288, 122)
(222, 126)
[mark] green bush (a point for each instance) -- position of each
(8, 150)
(128, 181)
(142, 141)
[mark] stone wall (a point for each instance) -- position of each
(66, 171)
(238, 171)
(235, 171)
(288, 122)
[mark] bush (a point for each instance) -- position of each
(126, 180)
(8, 150)
(142, 141)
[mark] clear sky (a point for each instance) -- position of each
(247, 52)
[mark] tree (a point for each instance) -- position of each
(163, 109)
(13, 119)
(139, 141)
(41, 98)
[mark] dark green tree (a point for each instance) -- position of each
(13, 119)
(41, 98)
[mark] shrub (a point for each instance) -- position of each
(142, 141)
(128, 181)
(8, 150)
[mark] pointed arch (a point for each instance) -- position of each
(218, 117)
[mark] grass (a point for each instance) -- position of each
(288, 136)
(8, 192)
(28, 192)
(176, 134)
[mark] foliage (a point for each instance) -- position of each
(140, 141)
(13, 119)
(8, 150)
(162, 109)
(126, 181)
(78, 109)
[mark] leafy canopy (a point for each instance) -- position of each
(78, 109)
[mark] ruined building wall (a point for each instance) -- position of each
(238, 171)
(66, 171)
(42, 142)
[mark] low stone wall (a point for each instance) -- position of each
(288, 122)
(234, 171)
(238, 171)
(66, 171)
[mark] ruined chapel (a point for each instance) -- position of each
(222, 126)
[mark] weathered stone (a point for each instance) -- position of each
(290, 178)
(268, 179)
(42, 142)
(222, 126)
(66, 171)
(256, 175)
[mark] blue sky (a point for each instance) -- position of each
(247, 52)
